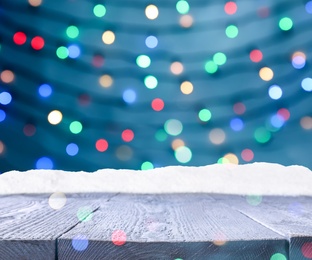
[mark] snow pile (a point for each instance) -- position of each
(248, 179)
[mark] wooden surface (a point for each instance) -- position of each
(180, 226)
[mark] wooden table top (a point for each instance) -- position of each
(163, 226)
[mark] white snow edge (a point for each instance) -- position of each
(247, 179)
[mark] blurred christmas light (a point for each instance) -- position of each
(143, 61)
(75, 127)
(173, 127)
(285, 24)
(183, 154)
(211, 67)
(108, 37)
(256, 56)
(186, 87)
(72, 31)
(101, 145)
(73, 51)
(72, 149)
(2, 115)
(183, 7)
(275, 92)
(5, 98)
(186, 21)
(55, 117)
(127, 135)
(147, 166)
(266, 74)
(19, 38)
(44, 163)
(99, 10)
(306, 84)
(262, 135)
(7, 76)
(35, 3)
(151, 42)
(219, 58)
(230, 8)
(129, 96)
(158, 104)
(62, 52)
(204, 115)
(298, 60)
(151, 12)
(231, 31)
(150, 82)
(106, 81)
(37, 43)
(217, 136)
(45, 90)
(176, 68)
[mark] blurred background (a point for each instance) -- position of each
(90, 84)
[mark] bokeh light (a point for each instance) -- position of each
(37, 43)
(266, 74)
(124, 153)
(85, 213)
(173, 127)
(119, 237)
(306, 122)
(298, 60)
(176, 68)
(29, 129)
(275, 92)
(5, 98)
(127, 135)
(147, 166)
(57, 200)
(80, 242)
(308, 7)
(211, 67)
(151, 12)
(106, 81)
(204, 115)
(150, 82)
(183, 154)
(7, 76)
(284, 113)
(186, 21)
(55, 117)
(161, 135)
(247, 155)
(254, 200)
(256, 55)
(262, 135)
(231, 31)
(129, 96)
(73, 51)
(217, 136)
(239, 108)
(44, 163)
(99, 10)
(158, 104)
(237, 124)
(143, 61)
(151, 42)
(108, 37)
(72, 31)
(186, 87)
(306, 84)
(75, 127)
(2, 115)
(306, 250)
(219, 58)
(45, 90)
(183, 7)
(101, 145)
(35, 3)
(285, 24)
(62, 52)
(19, 38)
(2, 147)
(230, 8)
(176, 143)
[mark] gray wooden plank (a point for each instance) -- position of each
(29, 226)
(186, 226)
(288, 216)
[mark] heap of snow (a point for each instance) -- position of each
(248, 179)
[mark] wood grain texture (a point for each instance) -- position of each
(187, 226)
(289, 216)
(29, 227)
